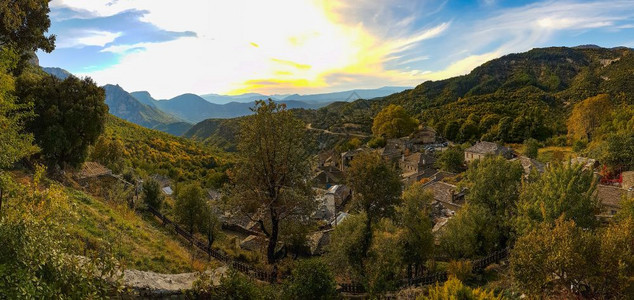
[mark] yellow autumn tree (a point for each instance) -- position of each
(393, 122)
(587, 116)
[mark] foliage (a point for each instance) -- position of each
(494, 185)
(455, 289)
(233, 286)
(377, 187)
(35, 260)
(384, 263)
(417, 240)
(616, 261)
(153, 152)
(451, 160)
(587, 116)
(531, 148)
(70, 116)
(393, 122)
(461, 269)
(210, 225)
(15, 144)
(554, 259)
(311, 279)
(470, 233)
(377, 142)
(562, 190)
(190, 205)
(619, 152)
(273, 170)
(109, 152)
(23, 26)
(345, 253)
(152, 194)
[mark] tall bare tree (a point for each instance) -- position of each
(272, 177)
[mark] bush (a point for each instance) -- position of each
(311, 279)
(152, 194)
(461, 269)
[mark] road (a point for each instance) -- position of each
(310, 127)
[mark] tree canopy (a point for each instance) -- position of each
(393, 122)
(273, 171)
(588, 115)
(70, 116)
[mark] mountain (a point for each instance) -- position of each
(193, 108)
(350, 95)
(244, 98)
(126, 107)
(145, 98)
(57, 72)
(508, 99)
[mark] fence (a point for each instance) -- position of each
(351, 288)
(238, 266)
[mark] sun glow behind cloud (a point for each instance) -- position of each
(279, 46)
(310, 46)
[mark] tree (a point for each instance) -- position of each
(417, 240)
(14, 142)
(23, 25)
(272, 177)
(619, 152)
(451, 160)
(393, 122)
(471, 232)
(189, 208)
(563, 190)
(311, 279)
(377, 187)
(70, 116)
(152, 195)
(494, 184)
(451, 130)
(531, 148)
(616, 261)
(587, 116)
(383, 268)
(554, 260)
(109, 152)
(232, 286)
(210, 225)
(345, 253)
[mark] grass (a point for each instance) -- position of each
(135, 242)
(555, 153)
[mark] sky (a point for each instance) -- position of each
(271, 47)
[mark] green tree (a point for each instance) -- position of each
(619, 152)
(272, 177)
(531, 148)
(562, 190)
(417, 240)
(554, 260)
(15, 144)
(451, 160)
(384, 263)
(494, 184)
(152, 195)
(23, 25)
(393, 122)
(210, 225)
(470, 233)
(70, 116)
(345, 252)
(377, 187)
(189, 208)
(109, 152)
(616, 261)
(232, 286)
(451, 130)
(311, 279)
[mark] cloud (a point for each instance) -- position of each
(80, 38)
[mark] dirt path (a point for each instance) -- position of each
(310, 127)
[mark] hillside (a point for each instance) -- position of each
(530, 93)
(124, 106)
(151, 151)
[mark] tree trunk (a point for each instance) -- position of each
(270, 252)
(367, 237)
(1, 200)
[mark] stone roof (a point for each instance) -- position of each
(442, 191)
(531, 164)
(91, 170)
(610, 195)
(588, 163)
(167, 190)
(488, 148)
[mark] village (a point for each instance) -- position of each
(414, 156)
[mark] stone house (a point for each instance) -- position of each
(611, 198)
(482, 149)
(447, 194)
(416, 162)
